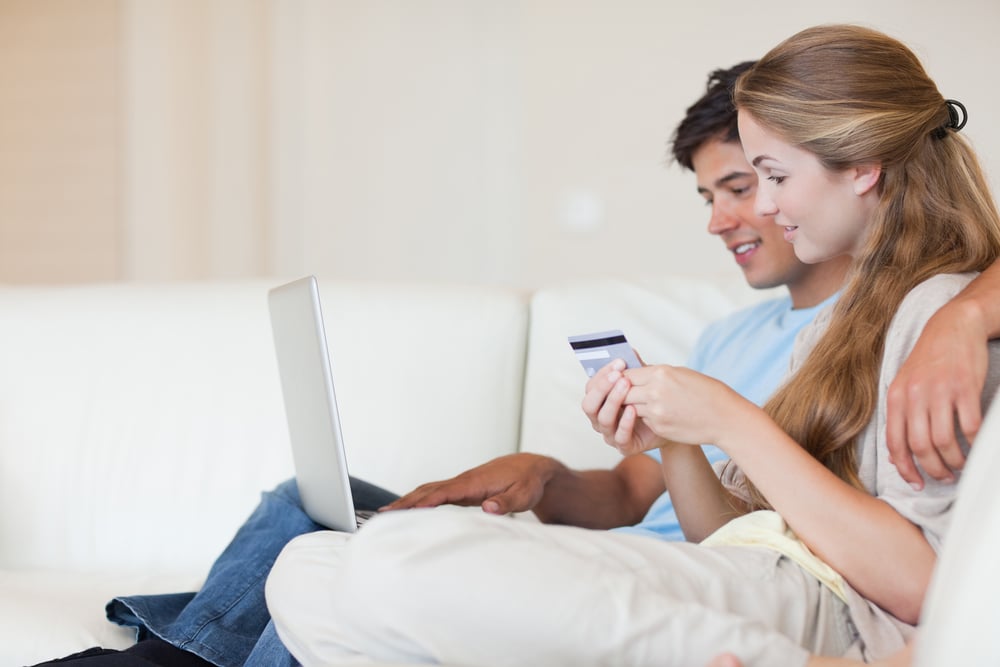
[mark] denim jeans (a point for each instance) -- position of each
(227, 622)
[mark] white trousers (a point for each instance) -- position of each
(465, 588)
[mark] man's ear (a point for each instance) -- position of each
(866, 177)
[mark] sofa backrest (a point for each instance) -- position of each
(139, 422)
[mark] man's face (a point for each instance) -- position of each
(729, 185)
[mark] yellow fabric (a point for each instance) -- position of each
(766, 528)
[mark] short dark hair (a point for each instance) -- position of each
(712, 117)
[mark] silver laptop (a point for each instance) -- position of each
(311, 405)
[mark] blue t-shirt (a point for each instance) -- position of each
(750, 352)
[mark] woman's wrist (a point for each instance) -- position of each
(670, 449)
(744, 423)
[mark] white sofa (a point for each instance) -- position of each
(140, 422)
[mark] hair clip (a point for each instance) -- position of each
(957, 117)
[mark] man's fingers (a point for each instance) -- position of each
(923, 451)
(520, 496)
(435, 494)
(970, 417)
(898, 439)
(895, 424)
(918, 432)
(945, 448)
(411, 500)
(501, 503)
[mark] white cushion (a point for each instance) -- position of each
(46, 615)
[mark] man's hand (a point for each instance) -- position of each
(937, 390)
(512, 483)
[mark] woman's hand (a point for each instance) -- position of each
(603, 404)
(680, 405)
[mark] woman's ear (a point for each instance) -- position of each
(866, 177)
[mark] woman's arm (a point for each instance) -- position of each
(702, 503)
(879, 552)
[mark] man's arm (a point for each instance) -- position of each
(602, 499)
(557, 494)
(942, 381)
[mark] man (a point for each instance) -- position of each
(748, 350)
(227, 621)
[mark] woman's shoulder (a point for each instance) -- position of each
(917, 307)
(923, 300)
(942, 286)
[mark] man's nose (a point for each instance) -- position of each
(722, 220)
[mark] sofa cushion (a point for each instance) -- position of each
(49, 614)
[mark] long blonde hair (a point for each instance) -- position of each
(853, 96)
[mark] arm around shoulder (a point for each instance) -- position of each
(938, 389)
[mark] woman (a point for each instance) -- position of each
(956, 626)
(812, 540)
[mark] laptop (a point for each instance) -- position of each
(311, 405)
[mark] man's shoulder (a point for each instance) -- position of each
(742, 328)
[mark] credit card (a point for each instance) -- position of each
(596, 350)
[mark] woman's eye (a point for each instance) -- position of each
(776, 179)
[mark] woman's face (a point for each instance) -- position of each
(824, 213)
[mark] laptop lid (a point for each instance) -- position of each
(311, 404)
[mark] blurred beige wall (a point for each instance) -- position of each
(513, 142)
(60, 141)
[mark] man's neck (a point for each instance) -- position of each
(820, 283)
